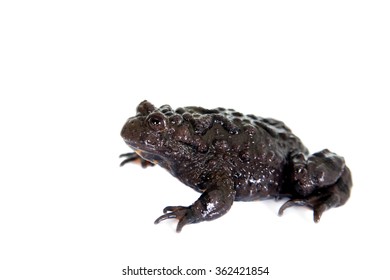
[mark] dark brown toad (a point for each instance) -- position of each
(228, 156)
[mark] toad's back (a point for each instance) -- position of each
(246, 126)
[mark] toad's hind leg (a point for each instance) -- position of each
(320, 181)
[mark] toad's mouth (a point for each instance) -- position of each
(131, 144)
(148, 156)
(143, 152)
(142, 147)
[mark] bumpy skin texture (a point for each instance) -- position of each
(228, 156)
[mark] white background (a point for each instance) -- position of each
(72, 72)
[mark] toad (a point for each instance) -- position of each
(228, 156)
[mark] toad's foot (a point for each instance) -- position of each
(324, 198)
(212, 204)
(185, 215)
(135, 157)
(318, 204)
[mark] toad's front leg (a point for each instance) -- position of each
(132, 157)
(212, 204)
(320, 181)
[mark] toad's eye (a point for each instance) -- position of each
(156, 121)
